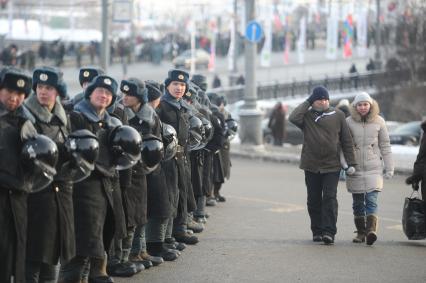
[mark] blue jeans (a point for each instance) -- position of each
(365, 204)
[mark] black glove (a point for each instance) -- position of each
(413, 179)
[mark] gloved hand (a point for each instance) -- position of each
(388, 175)
(350, 170)
(413, 179)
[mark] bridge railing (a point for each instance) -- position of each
(342, 83)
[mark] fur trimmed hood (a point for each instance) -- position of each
(374, 112)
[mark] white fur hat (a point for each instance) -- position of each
(363, 96)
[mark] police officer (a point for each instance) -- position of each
(197, 164)
(144, 119)
(200, 215)
(14, 87)
(174, 111)
(85, 76)
(50, 231)
(216, 144)
(222, 159)
(162, 196)
(93, 197)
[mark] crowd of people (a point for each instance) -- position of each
(110, 182)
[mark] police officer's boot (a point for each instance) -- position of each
(217, 194)
(171, 243)
(371, 229)
(196, 227)
(156, 249)
(124, 269)
(156, 260)
(135, 258)
(360, 229)
(98, 273)
(185, 238)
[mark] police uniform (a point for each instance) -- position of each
(50, 212)
(13, 186)
(175, 112)
(93, 198)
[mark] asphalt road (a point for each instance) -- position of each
(261, 234)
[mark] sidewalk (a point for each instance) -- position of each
(404, 156)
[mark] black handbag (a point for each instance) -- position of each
(413, 216)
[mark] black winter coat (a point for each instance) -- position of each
(420, 163)
(13, 198)
(50, 211)
(93, 197)
(178, 119)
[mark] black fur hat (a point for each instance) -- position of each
(15, 79)
(50, 76)
(105, 82)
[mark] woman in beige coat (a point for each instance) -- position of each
(372, 154)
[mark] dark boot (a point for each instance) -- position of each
(171, 243)
(185, 238)
(217, 194)
(156, 249)
(371, 229)
(194, 226)
(136, 259)
(98, 273)
(360, 229)
(156, 260)
(123, 269)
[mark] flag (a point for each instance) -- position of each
(332, 37)
(347, 36)
(192, 29)
(231, 46)
(213, 33)
(287, 46)
(362, 33)
(265, 55)
(302, 40)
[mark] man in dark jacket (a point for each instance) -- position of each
(325, 134)
(14, 87)
(50, 231)
(174, 111)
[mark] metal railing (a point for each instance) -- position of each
(342, 83)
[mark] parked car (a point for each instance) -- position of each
(184, 60)
(294, 135)
(406, 134)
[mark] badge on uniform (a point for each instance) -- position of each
(126, 88)
(43, 77)
(86, 74)
(180, 77)
(107, 81)
(20, 83)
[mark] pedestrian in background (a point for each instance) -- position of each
(325, 132)
(277, 124)
(372, 145)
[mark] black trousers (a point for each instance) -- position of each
(322, 201)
